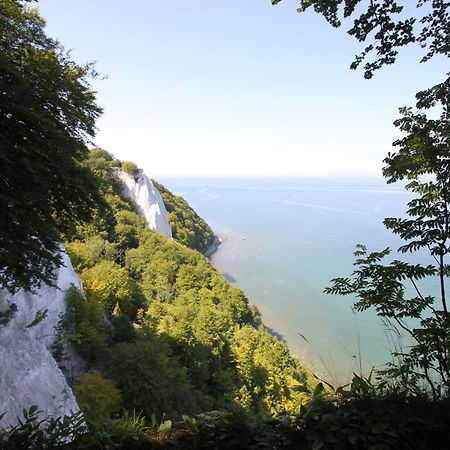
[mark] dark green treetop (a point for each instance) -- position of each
(47, 115)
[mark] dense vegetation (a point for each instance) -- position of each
(187, 227)
(162, 333)
(180, 339)
(365, 422)
(47, 115)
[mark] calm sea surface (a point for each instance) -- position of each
(285, 239)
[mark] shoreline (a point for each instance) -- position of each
(214, 246)
(305, 362)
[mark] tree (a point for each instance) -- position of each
(47, 116)
(423, 152)
(152, 380)
(98, 398)
(110, 284)
(384, 23)
(424, 317)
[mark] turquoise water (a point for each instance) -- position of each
(285, 239)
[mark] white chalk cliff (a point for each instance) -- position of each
(147, 198)
(29, 375)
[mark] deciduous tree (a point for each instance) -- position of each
(47, 116)
(422, 158)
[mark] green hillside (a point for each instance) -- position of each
(181, 338)
(188, 227)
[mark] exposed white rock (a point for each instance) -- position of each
(29, 375)
(147, 198)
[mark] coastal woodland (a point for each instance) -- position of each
(177, 337)
(174, 356)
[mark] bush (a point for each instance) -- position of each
(98, 398)
(130, 167)
(83, 325)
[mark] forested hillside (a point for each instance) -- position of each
(178, 338)
(187, 226)
(172, 355)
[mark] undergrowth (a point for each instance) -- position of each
(365, 422)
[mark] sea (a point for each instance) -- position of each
(285, 239)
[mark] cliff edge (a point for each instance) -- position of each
(29, 375)
(149, 203)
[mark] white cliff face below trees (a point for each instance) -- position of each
(29, 375)
(148, 200)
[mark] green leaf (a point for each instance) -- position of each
(318, 390)
(303, 388)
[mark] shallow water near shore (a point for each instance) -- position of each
(284, 240)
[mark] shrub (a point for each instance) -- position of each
(98, 398)
(83, 325)
(130, 167)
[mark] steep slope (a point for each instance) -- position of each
(29, 375)
(188, 228)
(182, 339)
(139, 188)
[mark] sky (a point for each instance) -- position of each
(235, 87)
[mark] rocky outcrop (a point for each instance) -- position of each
(149, 204)
(29, 375)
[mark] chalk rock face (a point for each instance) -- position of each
(147, 198)
(29, 375)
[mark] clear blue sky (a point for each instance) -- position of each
(235, 87)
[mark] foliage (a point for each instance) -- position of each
(267, 372)
(90, 252)
(129, 167)
(97, 397)
(187, 227)
(32, 432)
(175, 322)
(423, 316)
(389, 423)
(385, 24)
(151, 379)
(110, 284)
(129, 424)
(47, 114)
(83, 325)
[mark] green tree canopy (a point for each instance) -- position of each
(110, 284)
(47, 115)
(187, 226)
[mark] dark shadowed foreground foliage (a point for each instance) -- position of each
(384, 423)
